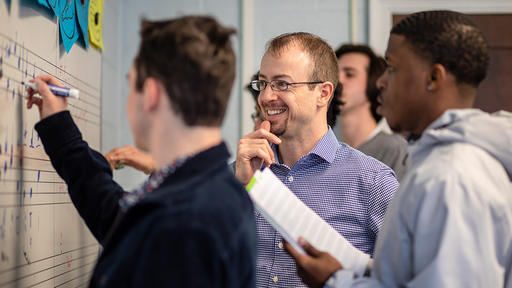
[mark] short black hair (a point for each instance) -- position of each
(450, 39)
(193, 58)
(376, 66)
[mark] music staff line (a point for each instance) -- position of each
(37, 204)
(35, 193)
(71, 270)
(51, 64)
(33, 181)
(56, 76)
(82, 92)
(47, 258)
(77, 277)
(48, 268)
(83, 118)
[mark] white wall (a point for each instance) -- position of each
(330, 19)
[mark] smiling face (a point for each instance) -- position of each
(289, 112)
(353, 74)
(403, 87)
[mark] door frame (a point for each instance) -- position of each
(380, 14)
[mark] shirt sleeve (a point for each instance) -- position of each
(86, 172)
(455, 229)
(379, 198)
(345, 278)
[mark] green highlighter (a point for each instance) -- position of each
(120, 165)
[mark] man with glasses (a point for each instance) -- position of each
(346, 188)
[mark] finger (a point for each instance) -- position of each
(308, 247)
(270, 152)
(263, 153)
(49, 79)
(34, 100)
(30, 91)
(299, 257)
(111, 161)
(266, 134)
(265, 125)
(42, 88)
(248, 147)
(124, 151)
(263, 132)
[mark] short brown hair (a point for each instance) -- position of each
(325, 64)
(193, 58)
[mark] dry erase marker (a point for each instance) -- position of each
(58, 91)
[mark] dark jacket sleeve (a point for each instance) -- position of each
(86, 172)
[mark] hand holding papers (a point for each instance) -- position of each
(292, 218)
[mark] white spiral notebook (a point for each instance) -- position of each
(292, 218)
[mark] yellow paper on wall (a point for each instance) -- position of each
(96, 23)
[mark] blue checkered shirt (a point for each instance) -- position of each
(348, 189)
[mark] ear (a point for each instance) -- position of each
(437, 77)
(152, 92)
(326, 91)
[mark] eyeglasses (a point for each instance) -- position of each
(276, 85)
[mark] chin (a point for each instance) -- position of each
(397, 128)
(278, 131)
(140, 144)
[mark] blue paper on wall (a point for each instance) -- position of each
(67, 23)
(54, 5)
(43, 3)
(82, 13)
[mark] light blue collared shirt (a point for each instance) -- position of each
(348, 189)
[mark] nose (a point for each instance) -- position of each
(341, 77)
(381, 81)
(267, 94)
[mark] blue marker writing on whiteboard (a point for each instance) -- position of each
(58, 91)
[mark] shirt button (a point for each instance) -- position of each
(275, 279)
(280, 245)
(290, 178)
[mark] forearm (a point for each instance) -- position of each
(85, 171)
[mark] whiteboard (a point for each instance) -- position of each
(43, 241)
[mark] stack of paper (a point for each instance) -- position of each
(292, 218)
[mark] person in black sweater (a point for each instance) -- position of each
(191, 224)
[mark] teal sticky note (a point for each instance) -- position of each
(82, 13)
(67, 23)
(43, 3)
(54, 5)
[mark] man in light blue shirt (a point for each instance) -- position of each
(450, 224)
(348, 189)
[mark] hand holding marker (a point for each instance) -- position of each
(56, 90)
